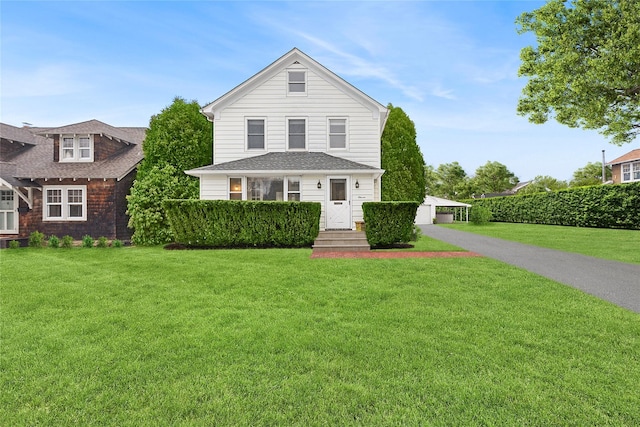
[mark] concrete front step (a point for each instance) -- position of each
(341, 241)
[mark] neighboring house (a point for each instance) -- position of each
(296, 131)
(72, 180)
(626, 168)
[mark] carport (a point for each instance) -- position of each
(427, 211)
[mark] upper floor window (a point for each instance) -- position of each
(65, 203)
(631, 172)
(337, 134)
(76, 148)
(255, 134)
(297, 134)
(297, 82)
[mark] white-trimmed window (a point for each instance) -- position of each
(296, 82)
(235, 188)
(277, 188)
(65, 203)
(337, 134)
(293, 188)
(255, 134)
(297, 134)
(8, 218)
(76, 148)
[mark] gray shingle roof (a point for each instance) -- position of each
(36, 160)
(92, 127)
(289, 161)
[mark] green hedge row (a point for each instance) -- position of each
(232, 224)
(389, 222)
(601, 206)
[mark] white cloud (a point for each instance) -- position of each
(46, 80)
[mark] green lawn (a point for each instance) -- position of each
(145, 336)
(619, 245)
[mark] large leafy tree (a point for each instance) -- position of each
(585, 69)
(590, 174)
(542, 183)
(494, 177)
(178, 139)
(452, 182)
(402, 159)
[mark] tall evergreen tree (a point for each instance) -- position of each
(178, 139)
(401, 159)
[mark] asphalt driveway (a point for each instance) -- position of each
(613, 281)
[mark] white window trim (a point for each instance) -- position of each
(65, 203)
(346, 136)
(635, 167)
(306, 82)
(285, 185)
(76, 149)
(243, 190)
(14, 210)
(246, 134)
(306, 133)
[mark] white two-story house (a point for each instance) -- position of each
(296, 131)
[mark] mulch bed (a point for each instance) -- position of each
(387, 255)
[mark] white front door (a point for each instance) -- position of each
(338, 204)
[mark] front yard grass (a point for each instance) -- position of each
(613, 244)
(145, 336)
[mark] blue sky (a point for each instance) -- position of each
(450, 65)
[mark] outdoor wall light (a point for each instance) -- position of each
(357, 184)
(319, 184)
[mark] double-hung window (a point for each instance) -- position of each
(296, 82)
(255, 134)
(337, 134)
(76, 148)
(8, 223)
(636, 171)
(65, 203)
(626, 172)
(297, 134)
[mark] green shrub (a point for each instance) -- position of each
(480, 215)
(36, 239)
(54, 242)
(67, 241)
(417, 232)
(102, 242)
(14, 244)
(87, 241)
(117, 243)
(603, 206)
(231, 223)
(389, 222)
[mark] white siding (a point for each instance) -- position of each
(322, 100)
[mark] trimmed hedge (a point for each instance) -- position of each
(389, 222)
(235, 224)
(601, 206)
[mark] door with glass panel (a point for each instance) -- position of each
(338, 210)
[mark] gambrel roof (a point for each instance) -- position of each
(295, 56)
(286, 163)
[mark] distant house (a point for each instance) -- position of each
(296, 131)
(71, 180)
(626, 168)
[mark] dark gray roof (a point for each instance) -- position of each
(36, 161)
(92, 127)
(298, 161)
(19, 135)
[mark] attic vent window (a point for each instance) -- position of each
(297, 81)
